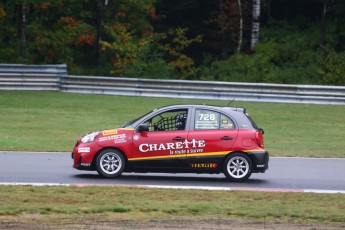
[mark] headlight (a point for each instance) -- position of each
(89, 137)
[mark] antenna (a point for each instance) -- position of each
(231, 102)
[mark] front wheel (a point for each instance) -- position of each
(237, 167)
(110, 163)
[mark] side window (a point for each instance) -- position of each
(208, 120)
(168, 121)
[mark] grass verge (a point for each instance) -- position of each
(140, 204)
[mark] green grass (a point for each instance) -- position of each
(52, 121)
(141, 203)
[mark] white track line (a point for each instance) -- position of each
(187, 187)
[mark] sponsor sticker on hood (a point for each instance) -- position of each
(109, 132)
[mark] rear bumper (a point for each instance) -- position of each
(260, 161)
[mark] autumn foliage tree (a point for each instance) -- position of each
(172, 44)
(285, 41)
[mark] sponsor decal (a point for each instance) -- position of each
(226, 124)
(113, 137)
(204, 165)
(109, 132)
(85, 164)
(136, 137)
(84, 150)
(260, 166)
(184, 147)
(120, 141)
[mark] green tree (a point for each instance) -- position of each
(333, 72)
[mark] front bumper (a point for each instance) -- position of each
(78, 163)
(83, 155)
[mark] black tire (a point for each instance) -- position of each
(110, 163)
(237, 167)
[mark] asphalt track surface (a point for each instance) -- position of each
(322, 175)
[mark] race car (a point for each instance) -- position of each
(178, 139)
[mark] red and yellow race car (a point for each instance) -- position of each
(178, 139)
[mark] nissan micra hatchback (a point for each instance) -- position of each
(178, 139)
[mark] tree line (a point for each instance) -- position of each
(273, 41)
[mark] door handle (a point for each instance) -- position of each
(226, 138)
(179, 139)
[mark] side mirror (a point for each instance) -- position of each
(143, 128)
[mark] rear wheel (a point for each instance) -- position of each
(237, 167)
(110, 163)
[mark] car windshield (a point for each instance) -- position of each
(130, 123)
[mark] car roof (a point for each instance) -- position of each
(239, 114)
(202, 106)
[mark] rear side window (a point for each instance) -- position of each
(211, 120)
(225, 122)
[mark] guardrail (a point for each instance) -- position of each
(205, 90)
(31, 77)
(55, 77)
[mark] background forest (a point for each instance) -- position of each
(273, 41)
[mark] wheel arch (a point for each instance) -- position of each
(239, 151)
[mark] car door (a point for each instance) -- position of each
(163, 145)
(217, 132)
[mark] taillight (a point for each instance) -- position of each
(259, 137)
